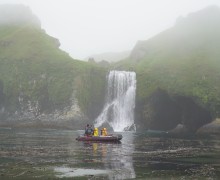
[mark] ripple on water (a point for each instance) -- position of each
(76, 172)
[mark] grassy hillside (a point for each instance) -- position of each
(184, 59)
(33, 67)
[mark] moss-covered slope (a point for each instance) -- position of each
(184, 59)
(34, 71)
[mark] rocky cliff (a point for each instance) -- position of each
(183, 62)
(41, 85)
(178, 74)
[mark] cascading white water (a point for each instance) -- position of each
(118, 111)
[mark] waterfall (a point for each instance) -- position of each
(118, 111)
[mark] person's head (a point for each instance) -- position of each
(104, 129)
(87, 125)
(96, 129)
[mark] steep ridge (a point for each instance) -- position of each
(182, 61)
(178, 74)
(38, 81)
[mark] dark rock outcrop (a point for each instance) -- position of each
(192, 115)
(164, 112)
(159, 112)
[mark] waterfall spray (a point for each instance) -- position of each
(118, 111)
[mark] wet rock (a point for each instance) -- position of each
(211, 128)
(179, 129)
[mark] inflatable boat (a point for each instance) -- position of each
(109, 138)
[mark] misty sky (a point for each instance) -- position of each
(86, 27)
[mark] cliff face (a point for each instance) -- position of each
(183, 61)
(178, 74)
(40, 84)
(161, 111)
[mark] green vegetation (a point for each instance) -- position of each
(33, 66)
(183, 60)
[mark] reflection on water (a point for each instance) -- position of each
(116, 157)
(119, 158)
(43, 154)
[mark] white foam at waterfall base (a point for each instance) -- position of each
(118, 110)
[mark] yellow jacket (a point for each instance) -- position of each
(104, 132)
(96, 132)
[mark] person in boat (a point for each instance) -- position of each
(96, 132)
(88, 130)
(104, 132)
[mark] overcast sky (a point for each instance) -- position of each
(86, 27)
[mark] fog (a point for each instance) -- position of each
(86, 27)
(9, 15)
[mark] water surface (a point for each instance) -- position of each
(42, 154)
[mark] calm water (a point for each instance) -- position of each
(43, 154)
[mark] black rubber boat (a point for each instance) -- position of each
(110, 138)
